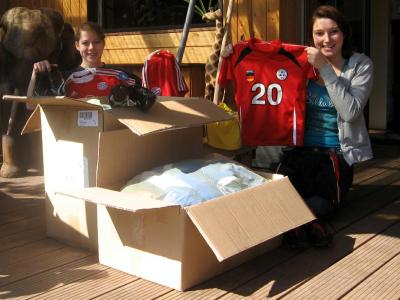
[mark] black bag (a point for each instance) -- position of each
(49, 83)
(131, 96)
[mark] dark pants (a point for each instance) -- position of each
(321, 176)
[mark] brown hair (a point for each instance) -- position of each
(92, 27)
(330, 12)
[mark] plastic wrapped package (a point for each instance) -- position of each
(193, 181)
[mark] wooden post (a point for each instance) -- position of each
(223, 44)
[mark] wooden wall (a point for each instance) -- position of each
(264, 19)
(74, 11)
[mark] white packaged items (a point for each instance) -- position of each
(193, 181)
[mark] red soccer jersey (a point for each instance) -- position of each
(94, 82)
(270, 91)
(162, 75)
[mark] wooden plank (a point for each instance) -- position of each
(55, 278)
(22, 238)
(363, 201)
(192, 55)
(83, 11)
(15, 215)
(42, 263)
(33, 188)
(138, 289)
(67, 12)
(259, 13)
(197, 80)
(29, 251)
(353, 269)
(234, 20)
(383, 284)
(245, 20)
(290, 14)
(91, 287)
(367, 171)
(10, 205)
(58, 5)
(159, 40)
(21, 226)
(187, 77)
(273, 20)
(75, 13)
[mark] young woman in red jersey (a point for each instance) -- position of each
(93, 77)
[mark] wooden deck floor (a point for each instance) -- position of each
(364, 262)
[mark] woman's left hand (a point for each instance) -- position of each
(315, 57)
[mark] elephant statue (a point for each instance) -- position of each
(27, 36)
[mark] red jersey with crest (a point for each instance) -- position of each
(161, 74)
(270, 90)
(94, 82)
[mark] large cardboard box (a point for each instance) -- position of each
(76, 133)
(181, 247)
(178, 247)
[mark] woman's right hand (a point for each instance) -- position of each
(42, 66)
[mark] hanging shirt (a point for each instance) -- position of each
(321, 129)
(270, 90)
(161, 74)
(95, 82)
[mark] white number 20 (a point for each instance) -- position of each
(260, 89)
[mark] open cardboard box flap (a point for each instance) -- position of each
(167, 113)
(172, 114)
(115, 199)
(51, 100)
(230, 224)
(239, 221)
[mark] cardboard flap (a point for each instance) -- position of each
(33, 124)
(115, 199)
(239, 221)
(170, 114)
(52, 101)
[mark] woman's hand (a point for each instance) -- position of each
(42, 66)
(315, 57)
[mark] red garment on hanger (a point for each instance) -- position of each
(270, 90)
(162, 75)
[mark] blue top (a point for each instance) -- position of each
(321, 128)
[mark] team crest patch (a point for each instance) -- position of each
(122, 76)
(102, 86)
(156, 90)
(281, 74)
(250, 75)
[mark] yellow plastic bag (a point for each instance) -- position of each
(225, 134)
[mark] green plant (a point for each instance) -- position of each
(201, 8)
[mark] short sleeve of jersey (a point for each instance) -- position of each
(225, 74)
(226, 71)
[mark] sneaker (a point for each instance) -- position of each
(296, 238)
(318, 234)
